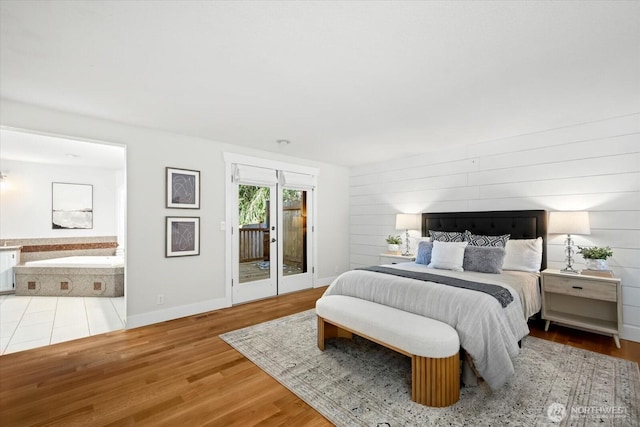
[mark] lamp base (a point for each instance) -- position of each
(406, 251)
(569, 256)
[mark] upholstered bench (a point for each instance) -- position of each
(432, 345)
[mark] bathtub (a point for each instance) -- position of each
(81, 276)
(79, 261)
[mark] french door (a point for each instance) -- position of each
(272, 233)
(295, 234)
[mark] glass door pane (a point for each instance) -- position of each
(255, 273)
(295, 254)
(254, 238)
(294, 232)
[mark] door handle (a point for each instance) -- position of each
(273, 240)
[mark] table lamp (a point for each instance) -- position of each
(569, 223)
(407, 222)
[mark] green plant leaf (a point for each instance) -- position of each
(595, 252)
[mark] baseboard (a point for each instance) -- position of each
(171, 313)
(325, 281)
(630, 333)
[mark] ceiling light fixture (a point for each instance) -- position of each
(4, 182)
(283, 142)
(72, 156)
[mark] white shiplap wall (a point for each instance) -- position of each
(592, 166)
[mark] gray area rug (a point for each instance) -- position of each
(356, 382)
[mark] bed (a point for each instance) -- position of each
(490, 327)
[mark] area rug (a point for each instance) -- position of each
(356, 382)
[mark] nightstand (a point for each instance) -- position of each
(585, 302)
(396, 259)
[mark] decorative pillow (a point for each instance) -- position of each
(480, 240)
(446, 236)
(484, 259)
(523, 255)
(423, 255)
(447, 255)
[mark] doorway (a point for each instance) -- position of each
(36, 160)
(271, 235)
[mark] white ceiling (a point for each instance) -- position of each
(35, 148)
(346, 82)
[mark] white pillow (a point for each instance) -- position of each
(523, 255)
(447, 255)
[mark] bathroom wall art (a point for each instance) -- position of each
(71, 205)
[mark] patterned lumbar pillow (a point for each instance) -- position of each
(446, 236)
(481, 240)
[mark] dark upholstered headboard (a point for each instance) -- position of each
(520, 224)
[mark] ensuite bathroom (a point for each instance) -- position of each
(62, 239)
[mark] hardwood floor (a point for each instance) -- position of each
(628, 350)
(179, 373)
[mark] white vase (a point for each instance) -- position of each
(597, 264)
(393, 248)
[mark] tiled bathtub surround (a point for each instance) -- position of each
(70, 247)
(59, 247)
(28, 322)
(65, 281)
(62, 281)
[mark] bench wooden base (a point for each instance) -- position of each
(434, 381)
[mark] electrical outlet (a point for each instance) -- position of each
(160, 299)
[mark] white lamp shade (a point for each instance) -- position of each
(408, 222)
(569, 223)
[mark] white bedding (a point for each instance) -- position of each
(487, 331)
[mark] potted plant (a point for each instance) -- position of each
(393, 244)
(595, 257)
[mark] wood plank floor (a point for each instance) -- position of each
(178, 373)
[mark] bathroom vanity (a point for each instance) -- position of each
(9, 258)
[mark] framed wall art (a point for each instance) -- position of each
(71, 205)
(182, 236)
(183, 188)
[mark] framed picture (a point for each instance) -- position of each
(71, 205)
(183, 188)
(183, 236)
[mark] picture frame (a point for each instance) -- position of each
(71, 206)
(183, 188)
(182, 236)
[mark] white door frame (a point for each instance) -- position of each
(233, 158)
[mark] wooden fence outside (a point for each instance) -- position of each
(293, 228)
(254, 244)
(255, 238)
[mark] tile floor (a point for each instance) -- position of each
(29, 322)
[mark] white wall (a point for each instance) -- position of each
(333, 222)
(593, 166)
(190, 284)
(26, 202)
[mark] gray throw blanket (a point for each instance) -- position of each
(503, 296)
